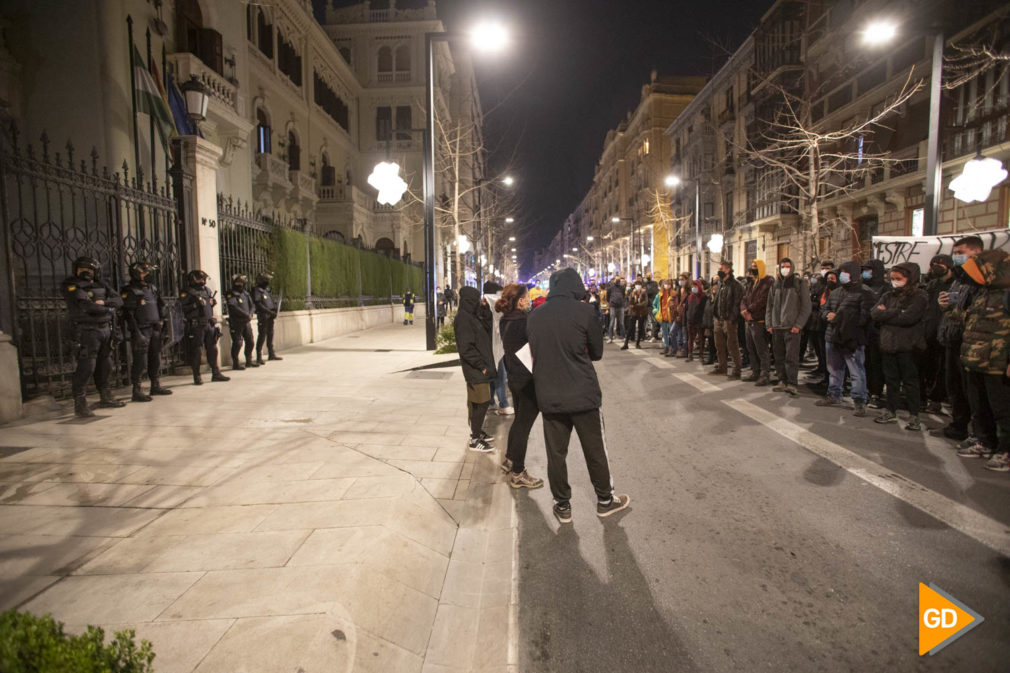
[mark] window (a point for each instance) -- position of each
(330, 102)
(265, 35)
(262, 132)
(750, 253)
(727, 210)
(404, 122)
(645, 146)
(192, 37)
(383, 123)
(402, 63)
(385, 64)
(288, 60)
(708, 209)
(294, 152)
(782, 251)
(918, 222)
(328, 175)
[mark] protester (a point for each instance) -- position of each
(618, 301)
(694, 317)
(492, 291)
(815, 323)
(726, 321)
(513, 305)
(708, 353)
(661, 308)
(787, 313)
(678, 328)
(953, 303)
(638, 309)
(900, 313)
(651, 289)
(874, 278)
(565, 339)
(753, 308)
(932, 378)
(985, 352)
(847, 314)
(473, 340)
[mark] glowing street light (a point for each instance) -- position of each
(386, 179)
(490, 37)
(508, 181)
(512, 239)
(977, 179)
(589, 239)
(671, 181)
(715, 244)
(615, 220)
(509, 220)
(879, 32)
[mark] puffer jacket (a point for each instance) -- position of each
(755, 301)
(473, 339)
(985, 345)
(638, 303)
(901, 319)
(851, 304)
(616, 295)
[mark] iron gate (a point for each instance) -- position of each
(54, 211)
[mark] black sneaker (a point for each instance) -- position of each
(828, 402)
(616, 504)
(488, 439)
(563, 512)
(886, 416)
(478, 444)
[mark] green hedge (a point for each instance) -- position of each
(338, 271)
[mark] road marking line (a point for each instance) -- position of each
(962, 518)
(699, 383)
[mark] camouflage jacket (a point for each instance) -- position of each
(985, 346)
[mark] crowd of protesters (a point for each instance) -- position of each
(892, 339)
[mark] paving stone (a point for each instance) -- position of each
(315, 642)
(205, 520)
(78, 521)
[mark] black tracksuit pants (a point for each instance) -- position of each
(989, 395)
(557, 433)
(525, 399)
(960, 409)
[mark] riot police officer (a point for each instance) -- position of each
(408, 307)
(202, 332)
(240, 312)
(92, 305)
(266, 313)
(144, 310)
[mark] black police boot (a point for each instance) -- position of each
(107, 401)
(218, 376)
(274, 356)
(236, 365)
(251, 363)
(197, 380)
(259, 358)
(138, 394)
(156, 389)
(81, 409)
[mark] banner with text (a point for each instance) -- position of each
(893, 250)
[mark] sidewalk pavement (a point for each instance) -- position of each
(320, 513)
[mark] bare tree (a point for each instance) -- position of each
(804, 164)
(975, 56)
(661, 212)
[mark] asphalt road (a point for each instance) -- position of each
(744, 550)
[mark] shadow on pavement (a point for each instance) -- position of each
(571, 621)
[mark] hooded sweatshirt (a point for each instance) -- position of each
(565, 338)
(756, 300)
(851, 304)
(789, 301)
(876, 284)
(901, 326)
(473, 340)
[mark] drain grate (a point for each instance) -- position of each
(438, 376)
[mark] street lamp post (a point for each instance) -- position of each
(675, 181)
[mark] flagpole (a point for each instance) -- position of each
(133, 95)
(154, 153)
(164, 83)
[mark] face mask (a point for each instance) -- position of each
(824, 272)
(681, 283)
(938, 271)
(786, 270)
(844, 278)
(832, 285)
(960, 259)
(694, 290)
(867, 274)
(86, 274)
(753, 272)
(722, 274)
(898, 284)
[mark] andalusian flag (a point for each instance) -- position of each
(150, 99)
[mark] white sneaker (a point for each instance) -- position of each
(506, 411)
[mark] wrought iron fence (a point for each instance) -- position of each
(243, 240)
(55, 210)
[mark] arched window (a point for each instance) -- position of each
(385, 61)
(262, 131)
(384, 246)
(188, 23)
(294, 152)
(264, 34)
(328, 176)
(403, 60)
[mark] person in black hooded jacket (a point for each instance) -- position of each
(873, 275)
(473, 341)
(565, 338)
(847, 314)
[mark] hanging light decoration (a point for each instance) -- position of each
(977, 179)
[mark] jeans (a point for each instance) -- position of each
(838, 361)
(727, 343)
(787, 355)
(900, 372)
(665, 327)
(678, 340)
(757, 346)
(616, 321)
(500, 383)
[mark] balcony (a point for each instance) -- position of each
(304, 186)
(271, 174)
(185, 65)
(342, 193)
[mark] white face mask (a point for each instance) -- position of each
(786, 270)
(824, 272)
(898, 283)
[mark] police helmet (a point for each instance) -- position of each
(264, 277)
(196, 276)
(87, 262)
(240, 279)
(140, 267)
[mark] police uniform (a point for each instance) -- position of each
(201, 328)
(145, 318)
(266, 313)
(408, 307)
(92, 323)
(240, 312)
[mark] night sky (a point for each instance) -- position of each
(576, 68)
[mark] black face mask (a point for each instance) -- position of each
(86, 274)
(753, 272)
(721, 274)
(832, 285)
(938, 271)
(264, 283)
